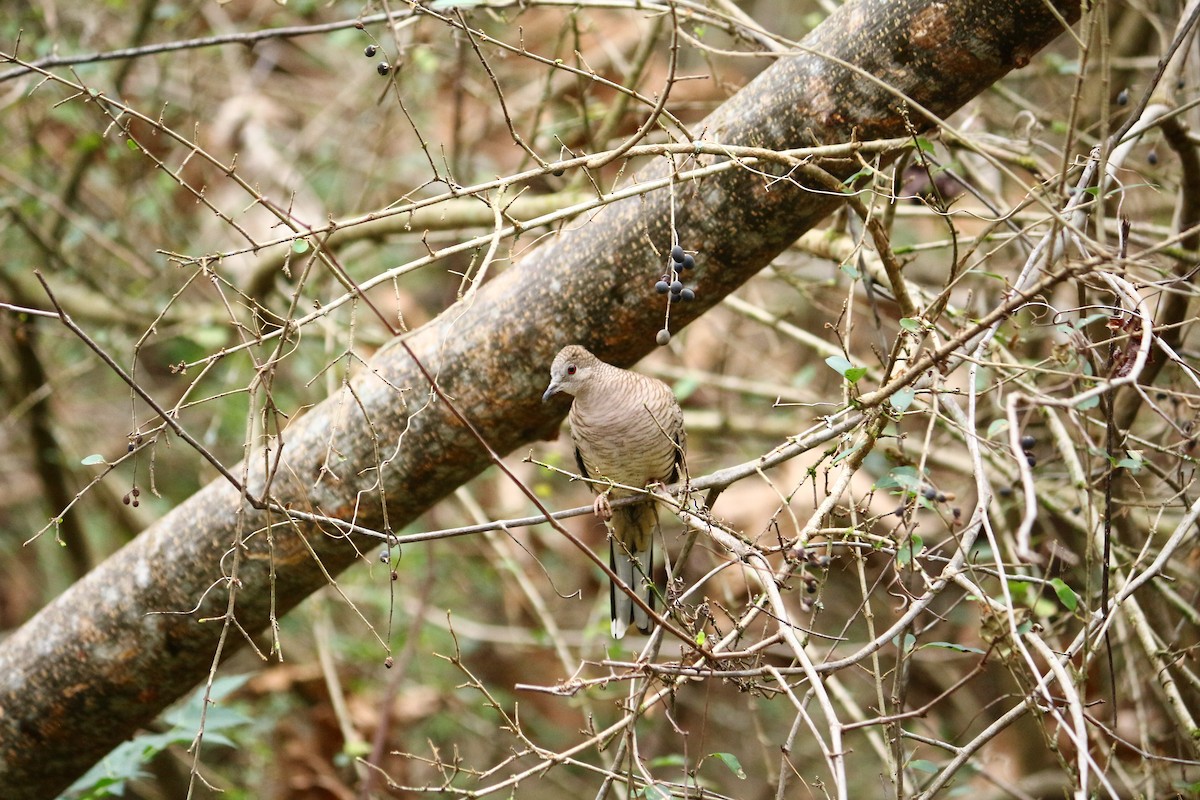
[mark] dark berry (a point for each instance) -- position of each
(558, 173)
(687, 295)
(663, 337)
(688, 262)
(676, 287)
(1031, 460)
(677, 254)
(1027, 442)
(941, 498)
(929, 493)
(1123, 97)
(1152, 157)
(383, 68)
(662, 287)
(370, 51)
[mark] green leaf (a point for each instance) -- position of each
(862, 173)
(219, 717)
(299, 246)
(88, 143)
(906, 644)
(1066, 595)
(132, 145)
(126, 762)
(903, 398)
(1089, 403)
(656, 792)
(923, 765)
(846, 369)
(1044, 607)
(905, 478)
(1133, 463)
(846, 453)
(426, 59)
(910, 550)
(209, 337)
(924, 145)
(983, 379)
(911, 325)
(1088, 320)
(730, 761)
(359, 749)
(998, 426)
(839, 364)
(94, 458)
(685, 387)
(958, 648)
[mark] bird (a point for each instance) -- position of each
(627, 429)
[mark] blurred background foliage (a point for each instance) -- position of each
(176, 225)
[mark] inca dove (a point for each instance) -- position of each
(628, 429)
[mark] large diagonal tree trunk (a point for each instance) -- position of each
(97, 663)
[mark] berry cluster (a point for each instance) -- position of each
(670, 282)
(131, 497)
(809, 560)
(935, 497)
(383, 68)
(1027, 443)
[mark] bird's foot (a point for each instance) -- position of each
(602, 508)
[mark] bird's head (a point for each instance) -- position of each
(570, 371)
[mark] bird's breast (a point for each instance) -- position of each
(623, 442)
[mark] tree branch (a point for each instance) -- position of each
(101, 660)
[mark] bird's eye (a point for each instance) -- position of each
(571, 370)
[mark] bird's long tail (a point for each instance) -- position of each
(631, 557)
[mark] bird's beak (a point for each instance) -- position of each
(551, 390)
